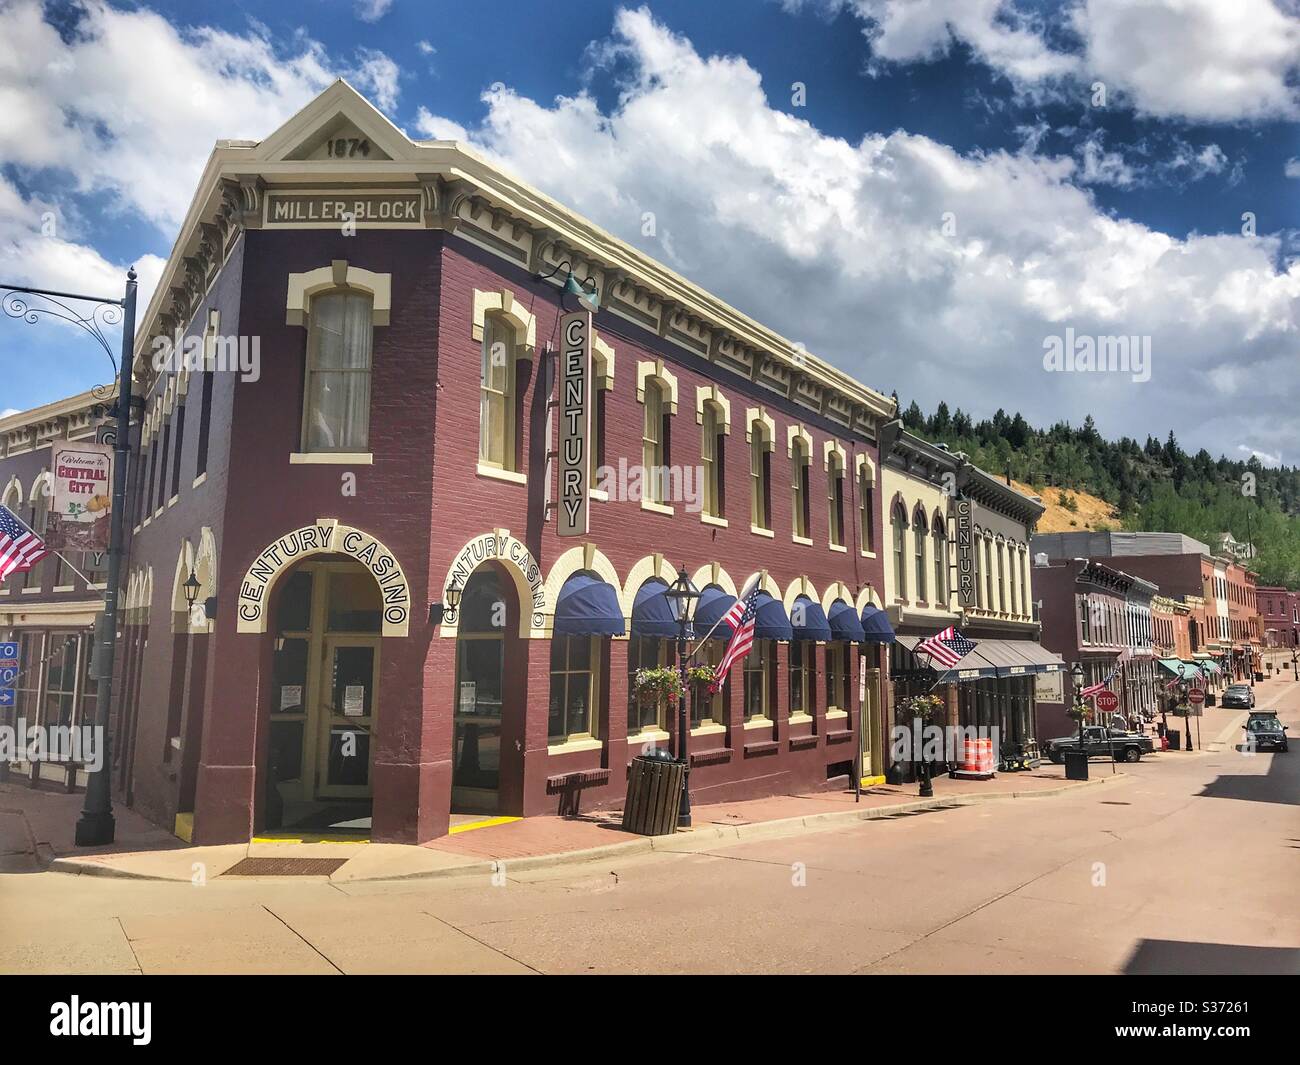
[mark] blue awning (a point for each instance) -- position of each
(652, 612)
(587, 606)
(875, 623)
(844, 623)
(808, 620)
(713, 604)
(771, 623)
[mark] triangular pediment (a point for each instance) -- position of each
(340, 124)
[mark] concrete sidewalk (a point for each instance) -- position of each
(36, 830)
(36, 827)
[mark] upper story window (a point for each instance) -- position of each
(989, 601)
(866, 507)
(1002, 577)
(920, 533)
(38, 519)
(336, 407)
(712, 454)
(977, 549)
(654, 441)
(496, 428)
(939, 536)
(799, 461)
(760, 475)
(898, 525)
(835, 497)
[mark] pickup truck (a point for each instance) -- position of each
(1128, 746)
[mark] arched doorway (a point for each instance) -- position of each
(488, 618)
(324, 697)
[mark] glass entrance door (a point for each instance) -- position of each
(348, 690)
(476, 773)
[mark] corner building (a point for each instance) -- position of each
(389, 626)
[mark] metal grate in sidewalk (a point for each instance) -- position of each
(285, 867)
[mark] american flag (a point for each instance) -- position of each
(20, 548)
(947, 647)
(1095, 689)
(741, 617)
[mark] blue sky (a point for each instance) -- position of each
(818, 216)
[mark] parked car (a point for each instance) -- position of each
(1265, 730)
(1241, 696)
(1128, 746)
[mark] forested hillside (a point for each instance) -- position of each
(1154, 486)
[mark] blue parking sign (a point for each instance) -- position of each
(8, 674)
(7, 697)
(8, 654)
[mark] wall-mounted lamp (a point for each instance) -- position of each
(585, 290)
(438, 610)
(191, 588)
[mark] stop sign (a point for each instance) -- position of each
(1107, 701)
(1196, 696)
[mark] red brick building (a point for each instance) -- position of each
(360, 469)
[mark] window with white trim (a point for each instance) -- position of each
(336, 400)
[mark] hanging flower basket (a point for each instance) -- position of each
(655, 685)
(922, 706)
(1078, 712)
(700, 677)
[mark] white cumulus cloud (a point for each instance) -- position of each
(840, 245)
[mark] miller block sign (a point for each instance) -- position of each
(330, 210)
(961, 509)
(81, 500)
(575, 424)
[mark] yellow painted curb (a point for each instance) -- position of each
(488, 823)
(310, 839)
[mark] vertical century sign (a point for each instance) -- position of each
(575, 424)
(965, 544)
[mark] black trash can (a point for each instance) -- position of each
(1174, 737)
(654, 794)
(1076, 764)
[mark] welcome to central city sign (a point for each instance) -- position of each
(326, 536)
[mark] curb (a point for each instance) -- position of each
(698, 839)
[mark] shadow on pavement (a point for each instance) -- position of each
(1277, 785)
(1168, 957)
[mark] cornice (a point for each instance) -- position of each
(464, 192)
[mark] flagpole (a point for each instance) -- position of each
(57, 554)
(704, 639)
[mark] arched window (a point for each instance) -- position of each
(898, 523)
(760, 476)
(920, 533)
(1013, 552)
(38, 519)
(497, 430)
(712, 454)
(799, 486)
(654, 443)
(990, 601)
(977, 550)
(835, 497)
(866, 509)
(939, 537)
(336, 406)
(1002, 577)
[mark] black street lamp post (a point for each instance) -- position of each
(682, 595)
(1076, 762)
(96, 826)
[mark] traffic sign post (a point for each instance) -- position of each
(1107, 702)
